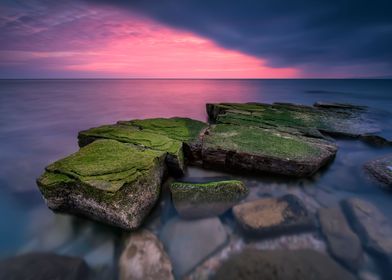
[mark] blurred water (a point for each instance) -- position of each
(40, 119)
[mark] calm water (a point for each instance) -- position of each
(40, 119)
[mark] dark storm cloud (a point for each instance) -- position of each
(308, 34)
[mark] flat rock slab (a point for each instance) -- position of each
(331, 118)
(343, 243)
(43, 266)
(374, 229)
(189, 242)
(281, 265)
(201, 200)
(273, 216)
(255, 149)
(108, 181)
(168, 135)
(144, 258)
(381, 170)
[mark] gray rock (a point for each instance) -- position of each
(281, 265)
(144, 258)
(273, 216)
(343, 243)
(381, 170)
(189, 242)
(43, 266)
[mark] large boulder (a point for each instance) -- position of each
(273, 216)
(256, 149)
(281, 265)
(174, 136)
(108, 181)
(199, 200)
(144, 258)
(343, 243)
(43, 266)
(190, 242)
(381, 170)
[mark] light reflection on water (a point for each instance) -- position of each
(39, 121)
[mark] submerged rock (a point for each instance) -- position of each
(381, 170)
(190, 242)
(281, 265)
(343, 243)
(374, 229)
(43, 266)
(168, 135)
(198, 200)
(273, 216)
(144, 258)
(264, 150)
(108, 181)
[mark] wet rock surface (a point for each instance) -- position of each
(281, 265)
(343, 243)
(273, 216)
(144, 258)
(189, 242)
(108, 181)
(200, 200)
(381, 170)
(43, 266)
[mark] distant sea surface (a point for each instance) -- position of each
(40, 119)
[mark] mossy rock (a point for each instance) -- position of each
(108, 181)
(199, 200)
(168, 135)
(264, 150)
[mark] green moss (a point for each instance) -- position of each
(260, 142)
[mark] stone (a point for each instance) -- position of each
(375, 140)
(281, 265)
(43, 266)
(108, 181)
(381, 170)
(374, 229)
(168, 135)
(235, 147)
(342, 242)
(190, 242)
(144, 258)
(200, 200)
(273, 216)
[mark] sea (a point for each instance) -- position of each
(40, 120)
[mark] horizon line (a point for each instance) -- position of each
(321, 78)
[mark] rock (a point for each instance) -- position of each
(375, 140)
(343, 243)
(144, 258)
(43, 266)
(168, 135)
(264, 150)
(281, 265)
(339, 106)
(381, 170)
(273, 216)
(190, 242)
(199, 200)
(107, 181)
(374, 229)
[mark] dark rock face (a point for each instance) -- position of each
(381, 170)
(343, 243)
(43, 266)
(281, 265)
(273, 216)
(375, 140)
(373, 228)
(108, 181)
(201, 200)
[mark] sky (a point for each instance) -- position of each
(195, 39)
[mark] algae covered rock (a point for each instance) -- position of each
(198, 200)
(256, 149)
(108, 181)
(381, 170)
(168, 135)
(273, 216)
